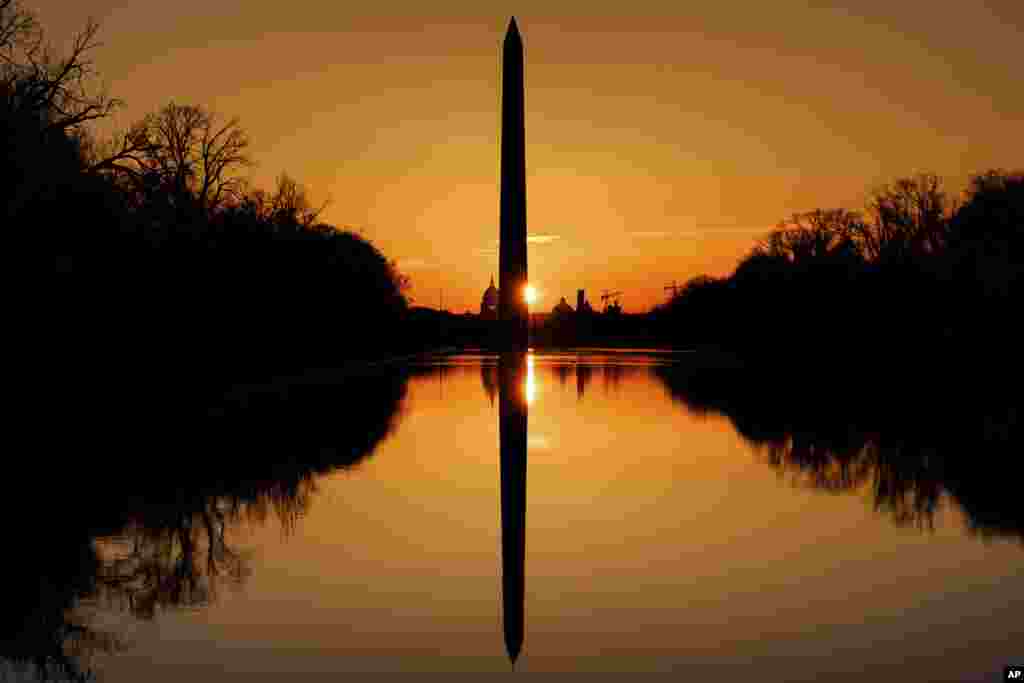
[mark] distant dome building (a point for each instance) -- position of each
(489, 302)
(563, 308)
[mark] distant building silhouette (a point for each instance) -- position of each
(489, 302)
(562, 309)
(582, 305)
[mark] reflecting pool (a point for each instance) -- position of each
(577, 511)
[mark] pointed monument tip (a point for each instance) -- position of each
(513, 27)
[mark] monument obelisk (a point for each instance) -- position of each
(512, 309)
(513, 317)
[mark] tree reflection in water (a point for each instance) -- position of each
(178, 555)
(121, 538)
(910, 459)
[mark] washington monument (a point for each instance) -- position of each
(512, 308)
(513, 319)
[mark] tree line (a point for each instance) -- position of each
(166, 257)
(918, 278)
(164, 254)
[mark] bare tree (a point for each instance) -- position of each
(188, 152)
(198, 153)
(45, 104)
(812, 235)
(290, 203)
(61, 94)
(20, 33)
(910, 216)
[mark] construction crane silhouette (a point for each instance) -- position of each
(614, 297)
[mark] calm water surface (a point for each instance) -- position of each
(657, 537)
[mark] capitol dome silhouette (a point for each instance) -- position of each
(489, 302)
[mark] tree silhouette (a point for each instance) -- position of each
(914, 280)
(162, 252)
(910, 217)
(186, 154)
(815, 235)
(60, 92)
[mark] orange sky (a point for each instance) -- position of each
(662, 137)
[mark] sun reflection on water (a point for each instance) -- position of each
(530, 390)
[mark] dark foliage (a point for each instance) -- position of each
(140, 519)
(917, 280)
(169, 273)
(912, 449)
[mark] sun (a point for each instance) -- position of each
(530, 294)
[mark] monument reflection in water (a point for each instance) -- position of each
(513, 392)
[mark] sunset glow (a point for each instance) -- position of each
(663, 138)
(310, 222)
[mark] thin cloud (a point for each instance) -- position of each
(530, 239)
(650, 234)
(416, 264)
